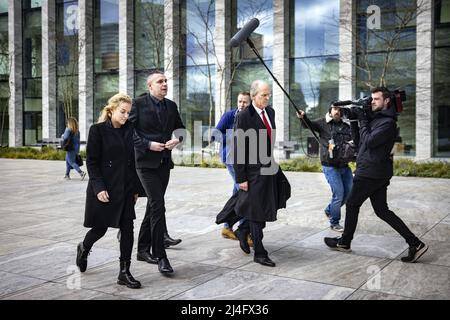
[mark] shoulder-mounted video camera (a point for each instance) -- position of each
(396, 100)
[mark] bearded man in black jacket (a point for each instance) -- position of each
(374, 170)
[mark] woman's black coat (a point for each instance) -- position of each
(111, 167)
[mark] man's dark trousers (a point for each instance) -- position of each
(376, 190)
(153, 226)
(255, 228)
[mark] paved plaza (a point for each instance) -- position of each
(41, 223)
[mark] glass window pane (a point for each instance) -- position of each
(315, 28)
(4, 49)
(106, 35)
(105, 87)
(4, 6)
(149, 34)
(314, 84)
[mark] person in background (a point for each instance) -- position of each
(225, 127)
(71, 138)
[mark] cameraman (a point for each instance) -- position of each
(374, 169)
(334, 134)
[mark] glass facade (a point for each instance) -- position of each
(148, 41)
(32, 71)
(197, 65)
(246, 65)
(106, 52)
(67, 52)
(387, 56)
(4, 74)
(441, 87)
(314, 61)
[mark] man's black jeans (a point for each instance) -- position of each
(376, 190)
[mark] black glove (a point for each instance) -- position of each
(361, 114)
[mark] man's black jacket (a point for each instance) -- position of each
(340, 131)
(377, 138)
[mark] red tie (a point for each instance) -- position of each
(266, 123)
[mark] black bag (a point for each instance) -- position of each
(346, 152)
(67, 145)
(79, 160)
(284, 189)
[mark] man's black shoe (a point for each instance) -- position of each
(243, 243)
(335, 244)
(147, 257)
(415, 252)
(169, 242)
(265, 261)
(164, 266)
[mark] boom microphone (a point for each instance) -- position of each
(244, 33)
(342, 103)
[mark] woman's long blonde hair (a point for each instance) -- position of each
(113, 104)
(72, 124)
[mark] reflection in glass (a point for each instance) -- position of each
(441, 85)
(32, 72)
(148, 39)
(246, 66)
(195, 100)
(314, 65)
(315, 28)
(67, 52)
(4, 75)
(385, 57)
(314, 84)
(106, 52)
(198, 69)
(106, 35)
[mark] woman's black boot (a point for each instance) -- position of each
(125, 278)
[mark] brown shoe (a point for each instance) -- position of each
(228, 234)
(249, 240)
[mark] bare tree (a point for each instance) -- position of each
(385, 43)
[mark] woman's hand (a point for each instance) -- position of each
(103, 196)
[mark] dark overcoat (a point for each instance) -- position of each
(111, 166)
(251, 160)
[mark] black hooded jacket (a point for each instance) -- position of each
(377, 137)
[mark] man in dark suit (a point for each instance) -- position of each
(256, 170)
(155, 119)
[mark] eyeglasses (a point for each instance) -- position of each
(265, 95)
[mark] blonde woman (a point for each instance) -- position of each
(113, 184)
(71, 138)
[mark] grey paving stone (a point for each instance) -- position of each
(336, 268)
(415, 280)
(58, 230)
(13, 282)
(52, 261)
(252, 285)
(42, 219)
(362, 244)
(15, 244)
(440, 232)
(57, 291)
(370, 295)
(187, 275)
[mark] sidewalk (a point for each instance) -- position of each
(41, 223)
